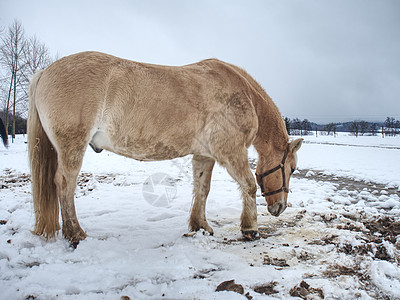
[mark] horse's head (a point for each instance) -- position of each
(273, 174)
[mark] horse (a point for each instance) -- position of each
(211, 110)
(3, 133)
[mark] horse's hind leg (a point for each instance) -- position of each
(69, 164)
(202, 169)
(237, 165)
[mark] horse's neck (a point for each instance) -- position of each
(271, 134)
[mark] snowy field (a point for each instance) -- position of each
(339, 239)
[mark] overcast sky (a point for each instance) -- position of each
(325, 60)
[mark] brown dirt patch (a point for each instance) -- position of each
(230, 285)
(305, 291)
(266, 288)
(279, 262)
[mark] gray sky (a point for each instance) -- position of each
(325, 60)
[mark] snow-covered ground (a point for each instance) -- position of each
(339, 239)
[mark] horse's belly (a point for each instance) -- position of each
(139, 148)
(151, 152)
(156, 151)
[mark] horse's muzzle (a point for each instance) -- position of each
(276, 209)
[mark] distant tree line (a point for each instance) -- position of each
(390, 127)
(298, 127)
(363, 127)
(20, 57)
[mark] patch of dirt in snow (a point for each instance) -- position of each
(377, 237)
(345, 183)
(10, 179)
(266, 288)
(304, 291)
(86, 182)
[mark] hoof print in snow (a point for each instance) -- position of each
(304, 290)
(231, 286)
(267, 288)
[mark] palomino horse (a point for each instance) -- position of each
(210, 109)
(3, 133)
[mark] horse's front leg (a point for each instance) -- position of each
(238, 167)
(202, 169)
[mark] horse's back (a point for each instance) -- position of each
(145, 111)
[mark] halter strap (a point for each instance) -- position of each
(279, 167)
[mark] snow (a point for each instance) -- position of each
(364, 158)
(386, 276)
(135, 245)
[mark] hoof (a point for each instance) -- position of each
(250, 235)
(203, 225)
(75, 238)
(193, 233)
(73, 245)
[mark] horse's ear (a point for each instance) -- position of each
(295, 145)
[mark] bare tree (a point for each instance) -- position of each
(36, 57)
(306, 127)
(331, 127)
(390, 125)
(3, 93)
(3, 83)
(397, 127)
(373, 128)
(12, 49)
(296, 125)
(363, 127)
(355, 128)
(287, 124)
(20, 57)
